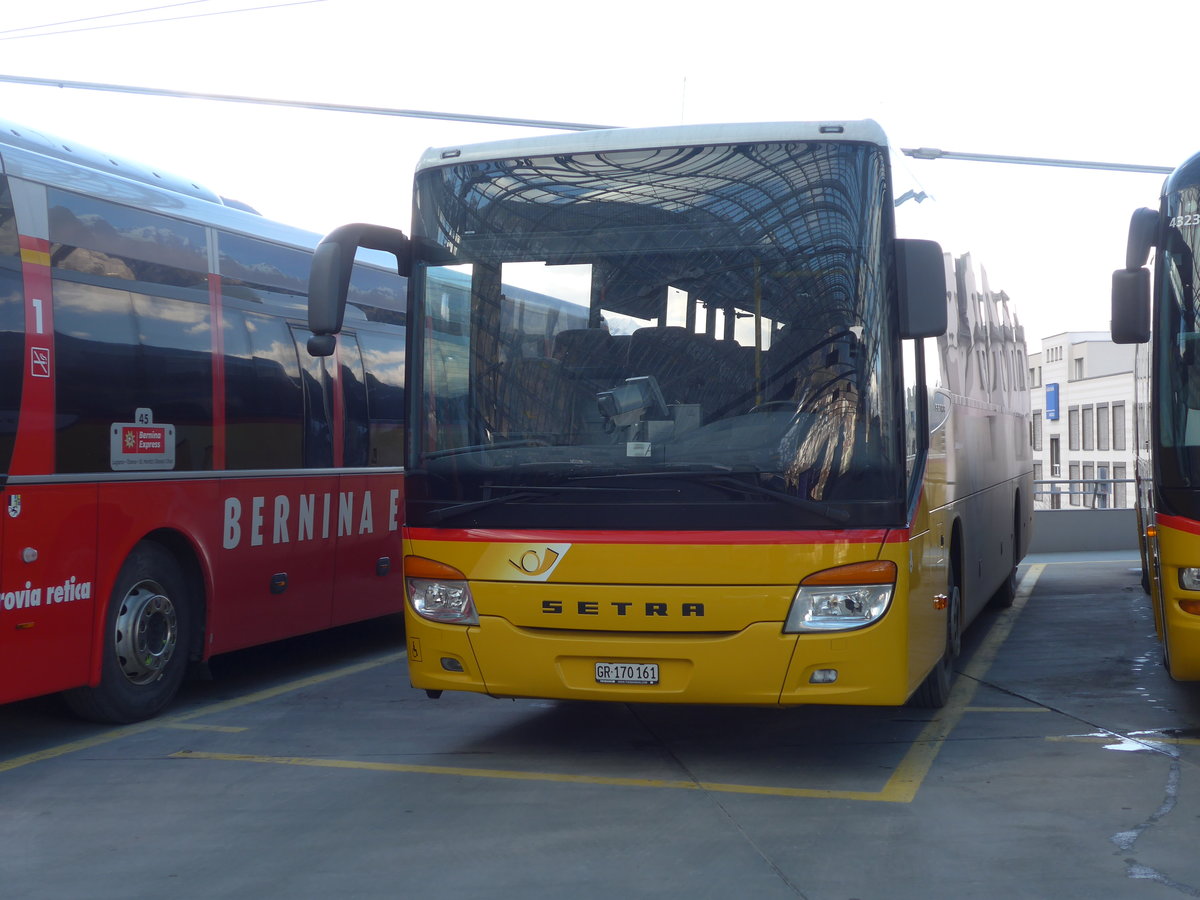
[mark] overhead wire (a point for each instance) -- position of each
(112, 15)
(224, 12)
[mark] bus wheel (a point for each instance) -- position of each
(1007, 592)
(934, 691)
(146, 637)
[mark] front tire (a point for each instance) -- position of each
(934, 691)
(147, 634)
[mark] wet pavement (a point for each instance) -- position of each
(1067, 765)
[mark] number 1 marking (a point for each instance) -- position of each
(37, 316)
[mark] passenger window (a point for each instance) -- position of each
(383, 361)
(264, 404)
(117, 352)
(257, 272)
(107, 240)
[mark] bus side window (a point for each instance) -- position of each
(383, 361)
(317, 382)
(138, 312)
(264, 407)
(354, 403)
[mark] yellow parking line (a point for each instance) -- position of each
(518, 775)
(900, 788)
(115, 734)
(223, 729)
(906, 780)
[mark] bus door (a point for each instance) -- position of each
(368, 547)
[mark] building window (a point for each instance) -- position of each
(1036, 429)
(1089, 422)
(1089, 486)
(1074, 487)
(1118, 426)
(1102, 426)
(1039, 490)
(1077, 369)
(1103, 487)
(1119, 476)
(1073, 428)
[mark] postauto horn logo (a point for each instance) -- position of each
(537, 563)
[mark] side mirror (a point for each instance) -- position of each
(921, 273)
(1143, 235)
(329, 277)
(1130, 306)
(1131, 286)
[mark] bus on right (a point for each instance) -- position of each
(1161, 313)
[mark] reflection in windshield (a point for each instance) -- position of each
(1179, 348)
(669, 311)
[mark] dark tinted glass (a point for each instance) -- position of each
(105, 239)
(383, 357)
(281, 272)
(355, 439)
(11, 326)
(264, 403)
(315, 376)
(119, 352)
(378, 295)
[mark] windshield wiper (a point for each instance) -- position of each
(483, 448)
(723, 476)
(516, 494)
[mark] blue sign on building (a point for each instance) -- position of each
(1052, 402)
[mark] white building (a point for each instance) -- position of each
(1081, 397)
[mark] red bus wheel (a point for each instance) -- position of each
(146, 641)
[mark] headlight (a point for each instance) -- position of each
(843, 598)
(1189, 579)
(439, 592)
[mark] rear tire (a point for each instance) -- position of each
(147, 633)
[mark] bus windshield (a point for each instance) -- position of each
(1179, 348)
(684, 338)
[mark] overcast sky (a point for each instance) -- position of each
(1075, 80)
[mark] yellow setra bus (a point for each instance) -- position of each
(785, 460)
(1163, 314)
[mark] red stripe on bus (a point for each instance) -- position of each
(34, 448)
(38, 245)
(847, 536)
(1178, 523)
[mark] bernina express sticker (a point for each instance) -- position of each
(142, 445)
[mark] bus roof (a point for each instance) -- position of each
(66, 164)
(616, 139)
(20, 137)
(1187, 175)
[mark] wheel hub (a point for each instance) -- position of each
(146, 633)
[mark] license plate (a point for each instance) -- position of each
(626, 673)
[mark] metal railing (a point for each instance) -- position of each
(1091, 493)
